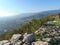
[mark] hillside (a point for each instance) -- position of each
(9, 23)
(44, 31)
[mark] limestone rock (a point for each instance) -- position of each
(18, 43)
(4, 42)
(25, 34)
(7, 43)
(39, 43)
(29, 38)
(15, 38)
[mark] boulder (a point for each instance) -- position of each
(29, 37)
(18, 43)
(16, 38)
(5, 42)
(39, 43)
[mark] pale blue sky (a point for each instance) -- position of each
(14, 7)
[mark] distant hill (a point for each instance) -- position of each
(13, 22)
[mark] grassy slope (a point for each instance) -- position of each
(31, 26)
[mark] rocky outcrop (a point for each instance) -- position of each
(16, 38)
(29, 38)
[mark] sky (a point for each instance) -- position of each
(14, 7)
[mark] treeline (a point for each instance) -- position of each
(30, 27)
